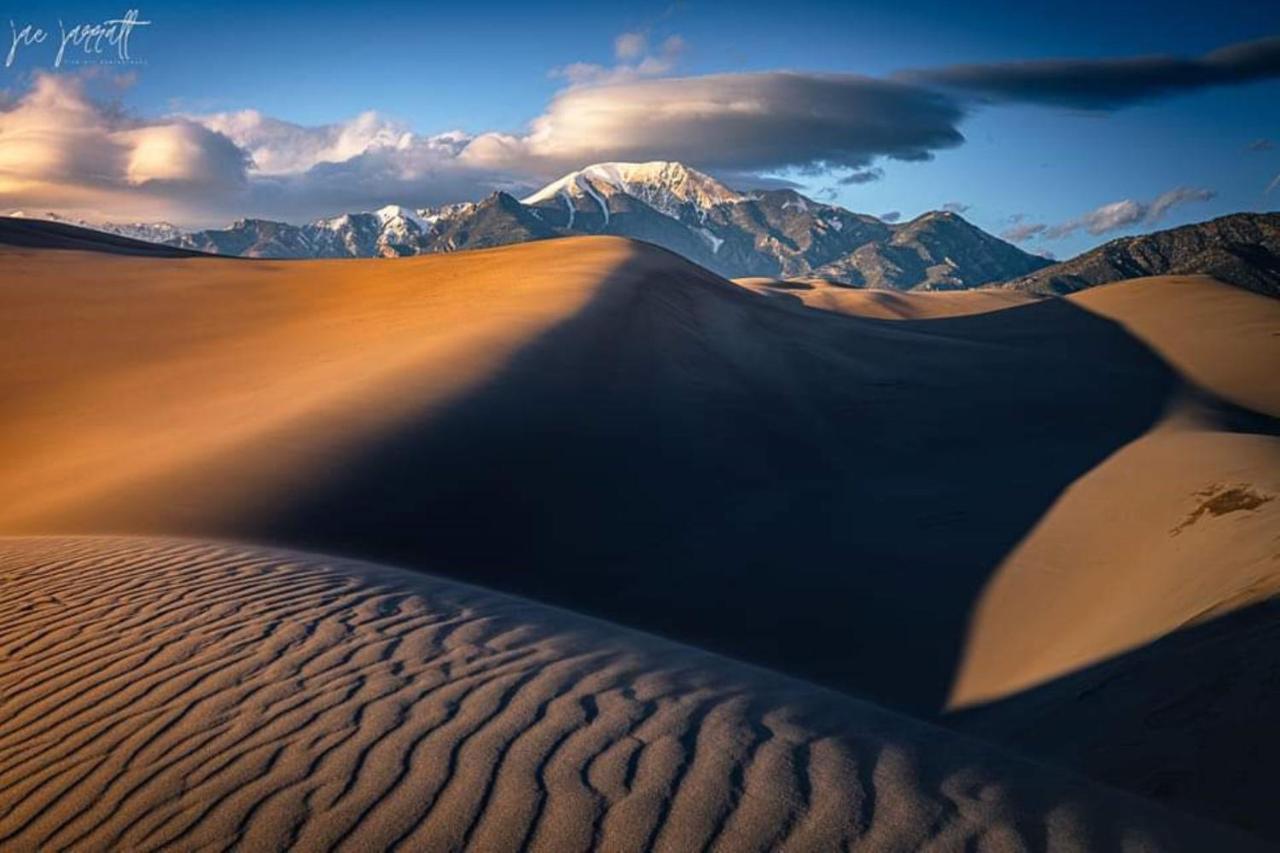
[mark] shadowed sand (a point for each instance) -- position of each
(1189, 720)
(179, 694)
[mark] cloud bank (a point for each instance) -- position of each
(62, 150)
(1105, 84)
(745, 122)
(58, 147)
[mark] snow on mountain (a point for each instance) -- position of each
(712, 240)
(434, 216)
(665, 186)
(151, 232)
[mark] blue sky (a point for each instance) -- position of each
(480, 68)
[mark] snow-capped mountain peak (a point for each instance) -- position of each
(666, 186)
(392, 212)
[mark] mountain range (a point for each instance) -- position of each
(777, 233)
(772, 233)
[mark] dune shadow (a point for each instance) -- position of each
(820, 494)
(1188, 719)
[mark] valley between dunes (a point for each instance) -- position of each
(680, 563)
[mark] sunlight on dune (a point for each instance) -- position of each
(885, 304)
(191, 359)
(1129, 553)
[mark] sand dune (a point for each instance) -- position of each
(177, 694)
(915, 498)
(556, 419)
(119, 370)
(1226, 340)
(1130, 635)
(1178, 526)
(884, 304)
(1188, 720)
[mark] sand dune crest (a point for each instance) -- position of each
(884, 304)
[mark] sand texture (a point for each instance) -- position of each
(1009, 515)
(176, 694)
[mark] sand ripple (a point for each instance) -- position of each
(179, 694)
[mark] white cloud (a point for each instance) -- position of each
(61, 149)
(630, 46)
(1107, 218)
(281, 148)
(1127, 212)
(634, 61)
(181, 152)
(1174, 197)
(1024, 232)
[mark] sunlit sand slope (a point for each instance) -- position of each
(1223, 339)
(119, 370)
(884, 304)
(1180, 525)
(178, 694)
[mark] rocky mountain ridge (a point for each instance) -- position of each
(775, 233)
(1241, 249)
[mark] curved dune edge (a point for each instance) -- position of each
(180, 693)
(1178, 526)
(885, 304)
(1220, 337)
